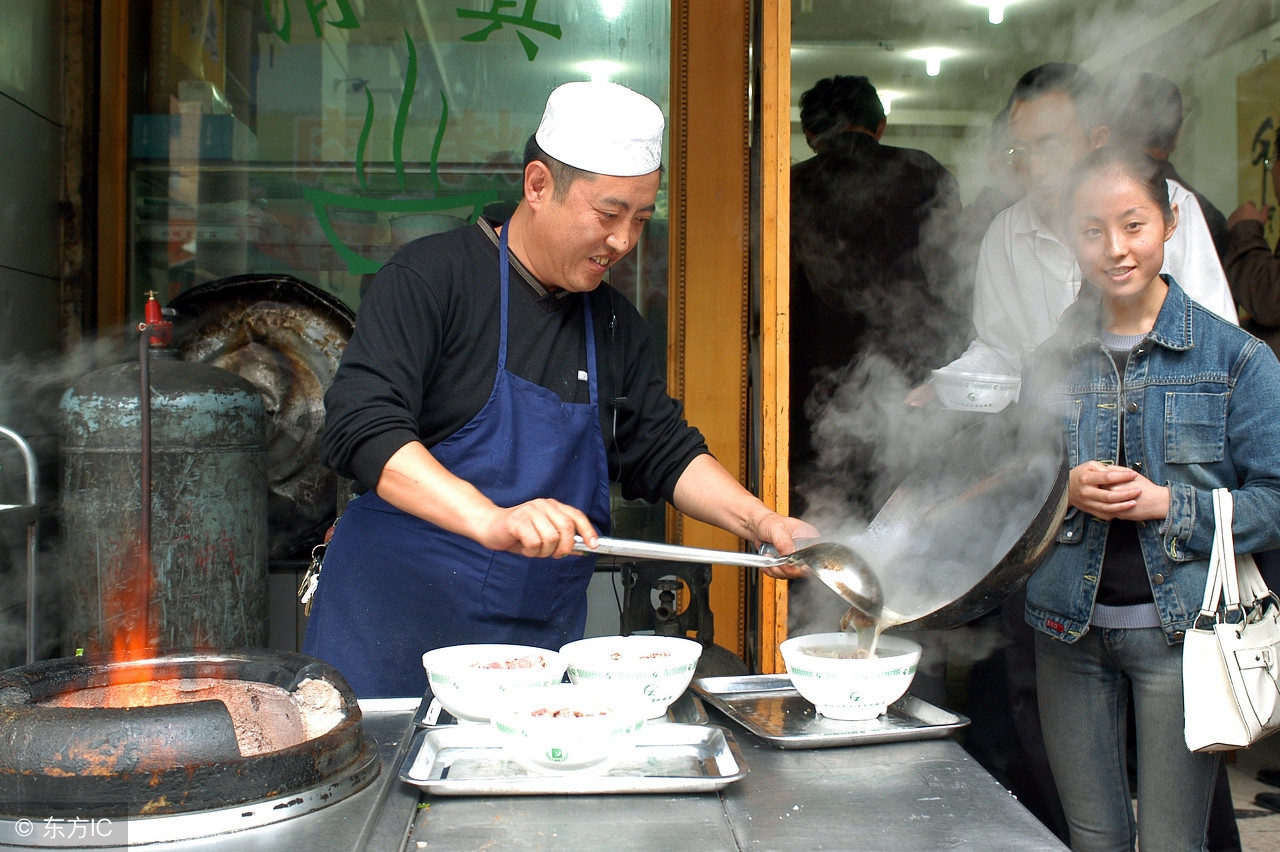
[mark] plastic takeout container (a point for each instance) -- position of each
(966, 391)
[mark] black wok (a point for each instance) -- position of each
(971, 522)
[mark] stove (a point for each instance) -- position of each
(178, 746)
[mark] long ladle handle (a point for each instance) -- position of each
(676, 553)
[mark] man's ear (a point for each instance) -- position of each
(879, 130)
(538, 183)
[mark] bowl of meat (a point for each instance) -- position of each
(650, 671)
(564, 729)
(467, 679)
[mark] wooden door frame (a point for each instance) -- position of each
(774, 137)
(712, 260)
(113, 167)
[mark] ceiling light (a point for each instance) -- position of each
(932, 57)
(599, 70)
(887, 97)
(995, 8)
(612, 9)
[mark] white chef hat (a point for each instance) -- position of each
(603, 128)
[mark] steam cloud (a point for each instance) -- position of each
(30, 390)
(867, 442)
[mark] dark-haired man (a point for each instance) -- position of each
(1146, 113)
(489, 371)
(872, 273)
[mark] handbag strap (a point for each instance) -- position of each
(1213, 587)
(1224, 546)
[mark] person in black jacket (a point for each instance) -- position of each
(874, 292)
(493, 388)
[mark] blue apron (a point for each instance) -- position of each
(395, 586)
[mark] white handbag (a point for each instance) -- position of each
(1231, 656)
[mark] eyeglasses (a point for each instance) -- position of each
(1045, 152)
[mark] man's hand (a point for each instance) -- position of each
(1249, 211)
(922, 395)
(539, 528)
(782, 532)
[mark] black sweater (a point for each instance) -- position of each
(424, 354)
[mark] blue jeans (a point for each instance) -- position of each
(1084, 694)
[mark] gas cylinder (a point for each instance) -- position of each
(207, 575)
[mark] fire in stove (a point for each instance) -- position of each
(179, 733)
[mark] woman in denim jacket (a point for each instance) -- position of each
(1161, 402)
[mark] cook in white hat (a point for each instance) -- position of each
(590, 180)
(492, 391)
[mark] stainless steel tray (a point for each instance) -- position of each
(769, 707)
(685, 710)
(467, 760)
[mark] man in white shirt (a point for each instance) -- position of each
(1026, 275)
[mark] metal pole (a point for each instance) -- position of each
(144, 398)
(29, 459)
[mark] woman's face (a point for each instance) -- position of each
(1118, 233)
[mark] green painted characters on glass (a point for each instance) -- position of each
(497, 20)
(346, 17)
(339, 14)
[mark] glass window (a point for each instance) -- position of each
(314, 137)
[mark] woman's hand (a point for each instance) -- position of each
(1110, 491)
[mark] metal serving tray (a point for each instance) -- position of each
(769, 707)
(685, 710)
(468, 760)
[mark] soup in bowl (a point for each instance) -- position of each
(842, 682)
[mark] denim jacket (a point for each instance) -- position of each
(1201, 410)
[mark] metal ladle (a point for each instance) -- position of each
(836, 565)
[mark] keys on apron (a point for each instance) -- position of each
(311, 580)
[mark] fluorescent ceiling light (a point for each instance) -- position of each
(599, 70)
(887, 97)
(932, 57)
(995, 8)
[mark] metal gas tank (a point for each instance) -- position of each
(208, 504)
(286, 337)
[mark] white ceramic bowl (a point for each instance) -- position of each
(467, 679)
(974, 391)
(824, 671)
(565, 728)
(651, 671)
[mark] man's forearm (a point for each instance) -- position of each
(709, 493)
